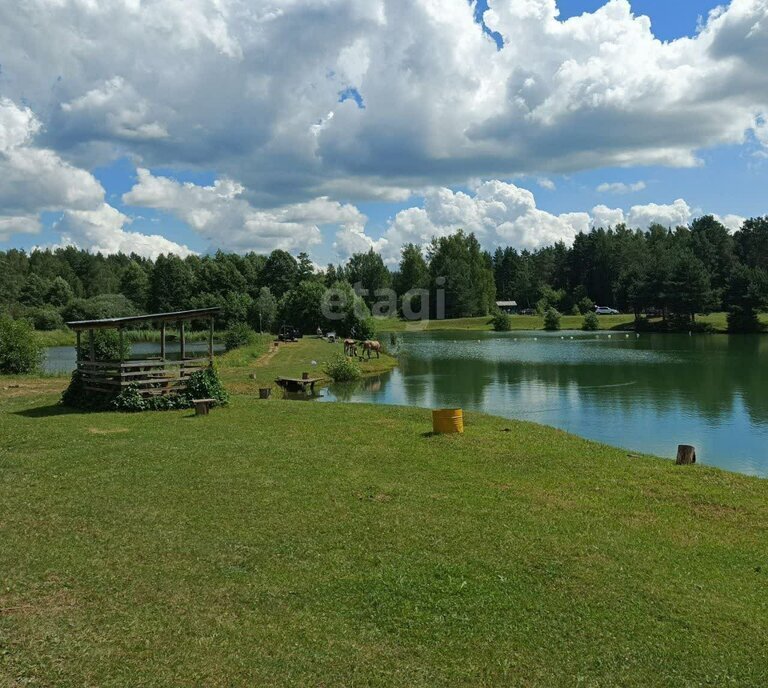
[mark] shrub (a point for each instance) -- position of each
(98, 307)
(20, 349)
(206, 384)
(240, 334)
(343, 369)
(502, 322)
(586, 305)
(130, 400)
(107, 346)
(46, 319)
(743, 320)
(75, 395)
(591, 322)
(366, 328)
(551, 320)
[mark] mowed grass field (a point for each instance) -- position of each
(536, 322)
(246, 370)
(278, 543)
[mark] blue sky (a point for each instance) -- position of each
(244, 147)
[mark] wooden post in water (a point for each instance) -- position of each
(183, 342)
(162, 340)
(686, 455)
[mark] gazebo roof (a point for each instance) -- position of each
(117, 323)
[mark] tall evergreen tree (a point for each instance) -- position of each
(171, 284)
(280, 272)
(368, 271)
(134, 285)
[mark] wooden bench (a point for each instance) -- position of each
(203, 406)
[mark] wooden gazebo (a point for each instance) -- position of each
(153, 376)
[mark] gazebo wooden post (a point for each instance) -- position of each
(92, 345)
(162, 340)
(210, 340)
(120, 333)
(183, 342)
(78, 357)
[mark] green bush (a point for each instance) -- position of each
(130, 401)
(107, 346)
(20, 348)
(98, 307)
(586, 305)
(46, 319)
(206, 384)
(365, 328)
(240, 334)
(591, 322)
(742, 320)
(343, 369)
(502, 322)
(551, 320)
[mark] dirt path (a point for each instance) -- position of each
(266, 358)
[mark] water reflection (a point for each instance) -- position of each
(646, 394)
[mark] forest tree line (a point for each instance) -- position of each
(672, 273)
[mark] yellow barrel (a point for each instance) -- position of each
(445, 421)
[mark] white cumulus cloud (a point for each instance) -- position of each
(225, 84)
(103, 230)
(620, 187)
(224, 218)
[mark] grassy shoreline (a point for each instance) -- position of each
(522, 323)
(284, 543)
(247, 369)
(300, 544)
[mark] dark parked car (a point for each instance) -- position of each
(527, 311)
(289, 333)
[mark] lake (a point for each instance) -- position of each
(646, 394)
(61, 359)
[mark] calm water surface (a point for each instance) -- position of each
(645, 394)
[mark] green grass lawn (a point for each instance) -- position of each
(295, 544)
(536, 322)
(245, 370)
(278, 543)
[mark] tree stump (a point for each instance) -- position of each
(686, 455)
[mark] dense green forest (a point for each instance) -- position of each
(673, 273)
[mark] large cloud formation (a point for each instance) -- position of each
(34, 180)
(352, 100)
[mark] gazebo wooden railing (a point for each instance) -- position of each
(153, 376)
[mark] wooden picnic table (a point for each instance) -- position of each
(298, 384)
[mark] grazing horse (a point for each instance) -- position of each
(371, 345)
(350, 347)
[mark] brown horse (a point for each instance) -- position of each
(371, 345)
(350, 347)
